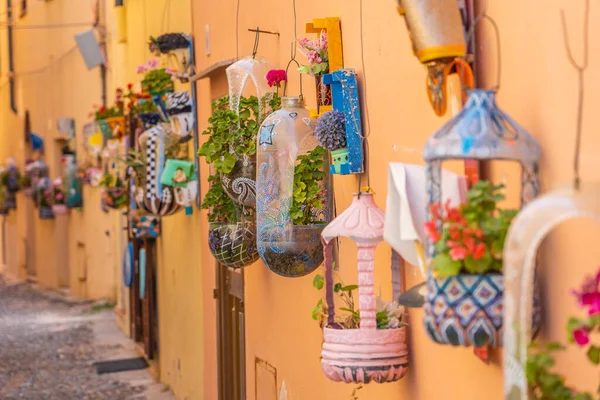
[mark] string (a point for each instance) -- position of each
(580, 74)
(237, 31)
(367, 118)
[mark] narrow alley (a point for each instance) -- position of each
(48, 344)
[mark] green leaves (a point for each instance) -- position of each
(307, 192)
(220, 206)
(480, 266)
(445, 266)
(318, 282)
(593, 354)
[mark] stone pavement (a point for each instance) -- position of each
(49, 343)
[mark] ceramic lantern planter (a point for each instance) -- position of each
(464, 309)
(180, 175)
(181, 113)
(233, 244)
(289, 159)
(366, 354)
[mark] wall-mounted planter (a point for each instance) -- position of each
(141, 226)
(233, 244)
(287, 249)
(10, 200)
(45, 212)
(366, 354)
(346, 100)
(112, 127)
(115, 197)
(155, 199)
(180, 175)
(181, 114)
(73, 184)
(60, 209)
(149, 119)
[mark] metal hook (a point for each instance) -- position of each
(293, 60)
(581, 73)
(256, 39)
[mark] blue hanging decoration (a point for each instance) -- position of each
(73, 183)
(345, 99)
(142, 262)
(128, 265)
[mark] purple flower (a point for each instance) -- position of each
(331, 131)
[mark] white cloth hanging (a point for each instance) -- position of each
(406, 208)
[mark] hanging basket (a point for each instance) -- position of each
(240, 183)
(366, 354)
(233, 244)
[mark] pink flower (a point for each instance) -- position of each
(305, 42)
(170, 71)
(152, 63)
(581, 336)
(458, 253)
(59, 196)
(323, 41)
(141, 69)
(313, 57)
(276, 76)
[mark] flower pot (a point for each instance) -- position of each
(10, 202)
(60, 209)
(292, 253)
(149, 119)
(113, 127)
(323, 92)
(363, 356)
(28, 192)
(435, 28)
(240, 183)
(467, 310)
(115, 197)
(233, 244)
(46, 212)
(339, 160)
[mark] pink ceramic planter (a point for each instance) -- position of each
(60, 209)
(366, 354)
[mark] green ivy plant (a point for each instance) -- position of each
(157, 81)
(307, 193)
(226, 143)
(219, 205)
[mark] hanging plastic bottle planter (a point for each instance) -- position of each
(10, 179)
(377, 350)
(153, 197)
(57, 198)
(73, 183)
(466, 308)
(43, 196)
(293, 191)
(240, 183)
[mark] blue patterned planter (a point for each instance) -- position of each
(149, 119)
(466, 310)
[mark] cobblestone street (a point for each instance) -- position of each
(48, 346)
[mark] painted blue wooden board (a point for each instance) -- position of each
(142, 262)
(344, 93)
(128, 265)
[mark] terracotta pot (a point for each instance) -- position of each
(467, 310)
(323, 92)
(233, 244)
(363, 356)
(240, 183)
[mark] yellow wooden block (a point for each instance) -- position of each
(316, 114)
(334, 37)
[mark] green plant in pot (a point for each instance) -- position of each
(232, 243)
(114, 191)
(331, 133)
(467, 268)
(156, 81)
(231, 149)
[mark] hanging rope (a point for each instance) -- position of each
(367, 119)
(580, 68)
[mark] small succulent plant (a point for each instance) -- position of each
(330, 130)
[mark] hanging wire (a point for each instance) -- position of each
(237, 31)
(256, 40)
(471, 32)
(293, 54)
(580, 74)
(367, 118)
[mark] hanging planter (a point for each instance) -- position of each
(113, 127)
(293, 191)
(233, 244)
(464, 300)
(114, 192)
(180, 175)
(141, 225)
(437, 34)
(177, 46)
(155, 147)
(73, 184)
(149, 119)
(240, 183)
(181, 113)
(331, 133)
(9, 179)
(317, 53)
(370, 344)
(43, 196)
(56, 197)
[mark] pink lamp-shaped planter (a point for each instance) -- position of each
(365, 354)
